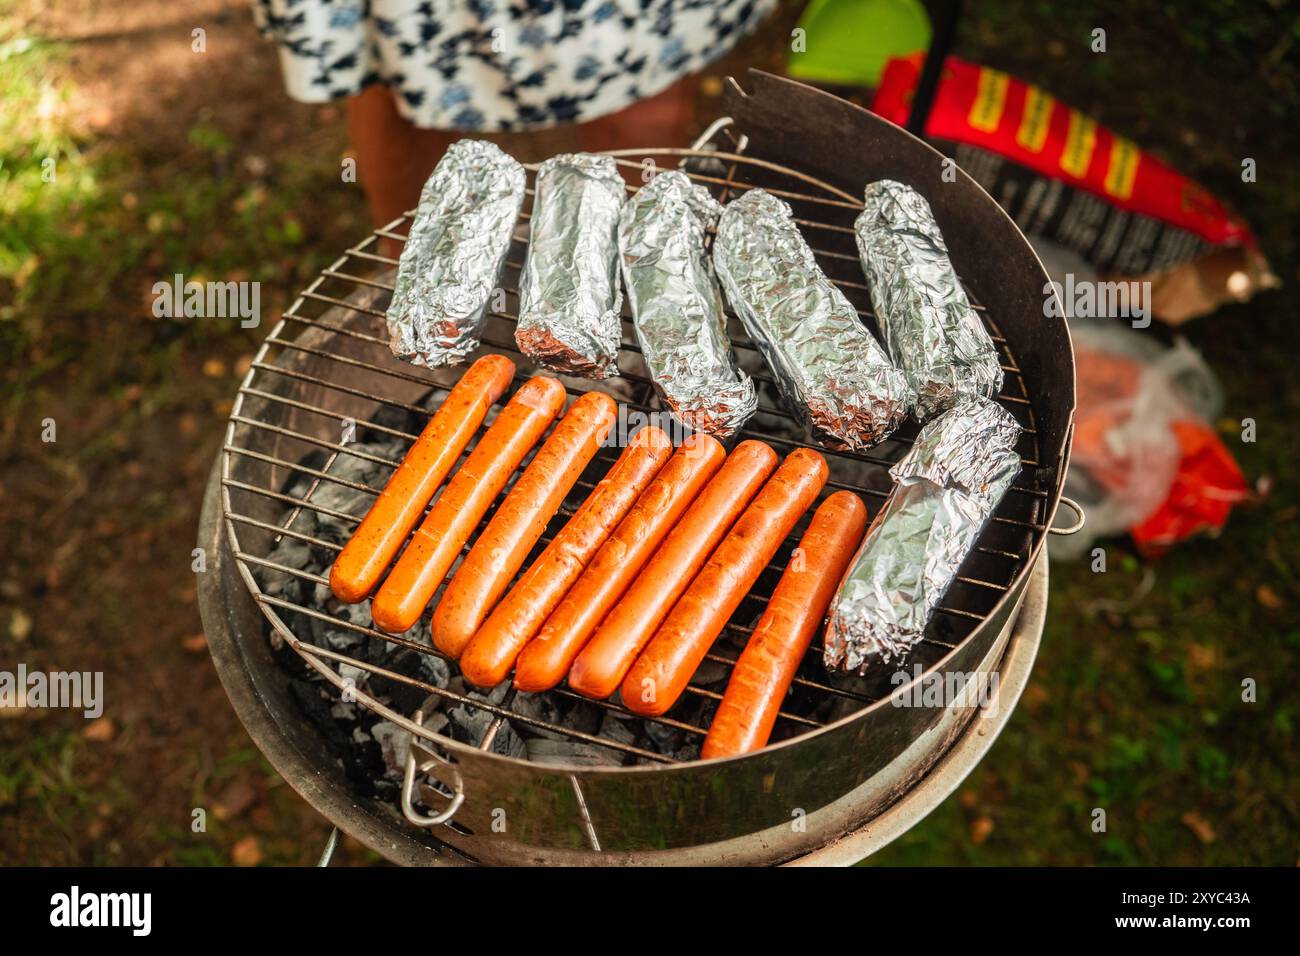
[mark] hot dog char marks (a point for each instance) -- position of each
(396, 511)
(600, 667)
(487, 660)
(520, 520)
(766, 667)
(546, 658)
(663, 670)
(432, 551)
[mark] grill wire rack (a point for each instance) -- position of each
(334, 334)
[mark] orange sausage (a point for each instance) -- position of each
(664, 669)
(491, 653)
(546, 658)
(766, 667)
(401, 599)
(519, 521)
(631, 623)
(395, 512)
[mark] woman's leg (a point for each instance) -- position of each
(394, 157)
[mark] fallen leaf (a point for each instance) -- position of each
(100, 730)
(195, 643)
(980, 829)
(214, 368)
(20, 625)
(1199, 826)
(1201, 657)
(247, 852)
(234, 800)
(1266, 596)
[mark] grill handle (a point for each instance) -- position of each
(428, 759)
(1080, 518)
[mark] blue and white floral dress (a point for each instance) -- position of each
(500, 64)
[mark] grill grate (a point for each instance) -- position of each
(331, 342)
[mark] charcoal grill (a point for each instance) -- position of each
(836, 781)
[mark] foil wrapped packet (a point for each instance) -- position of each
(829, 367)
(928, 325)
(454, 253)
(948, 485)
(569, 296)
(677, 307)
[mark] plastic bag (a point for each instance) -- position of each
(1146, 459)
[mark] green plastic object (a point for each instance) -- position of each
(848, 42)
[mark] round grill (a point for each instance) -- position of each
(338, 322)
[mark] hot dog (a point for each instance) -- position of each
(665, 667)
(600, 667)
(546, 658)
(491, 653)
(401, 599)
(395, 512)
(766, 667)
(520, 520)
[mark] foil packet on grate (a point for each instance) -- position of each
(829, 367)
(927, 323)
(677, 307)
(454, 253)
(569, 296)
(948, 485)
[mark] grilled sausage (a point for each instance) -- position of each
(766, 667)
(520, 519)
(379, 537)
(631, 623)
(401, 599)
(546, 658)
(665, 667)
(491, 653)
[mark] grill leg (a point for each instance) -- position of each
(331, 843)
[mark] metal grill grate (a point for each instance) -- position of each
(327, 361)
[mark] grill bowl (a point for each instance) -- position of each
(327, 362)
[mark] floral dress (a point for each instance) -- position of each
(500, 64)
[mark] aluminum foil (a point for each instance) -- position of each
(677, 307)
(831, 371)
(927, 322)
(569, 296)
(454, 254)
(948, 486)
